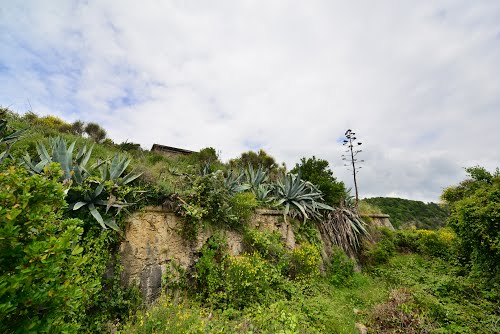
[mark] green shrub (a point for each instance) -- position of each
(207, 155)
(317, 172)
(378, 253)
(340, 270)
(209, 200)
(248, 279)
(304, 262)
(243, 205)
(53, 122)
(440, 243)
(475, 219)
(112, 302)
(267, 244)
(437, 243)
(42, 287)
(209, 270)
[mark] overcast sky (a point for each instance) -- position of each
(418, 81)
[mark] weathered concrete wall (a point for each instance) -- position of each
(379, 220)
(153, 241)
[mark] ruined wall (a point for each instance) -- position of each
(379, 220)
(153, 242)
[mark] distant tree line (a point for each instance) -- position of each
(406, 212)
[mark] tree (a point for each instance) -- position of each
(95, 131)
(317, 171)
(351, 145)
(77, 128)
(256, 160)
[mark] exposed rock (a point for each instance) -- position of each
(153, 241)
(273, 220)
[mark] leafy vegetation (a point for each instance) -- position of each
(345, 229)
(256, 160)
(7, 136)
(42, 285)
(406, 213)
(317, 171)
(475, 218)
(59, 270)
(299, 198)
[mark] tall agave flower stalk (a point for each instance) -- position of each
(345, 229)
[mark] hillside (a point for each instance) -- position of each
(104, 237)
(405, 212)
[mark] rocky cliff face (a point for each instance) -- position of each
(153, 244)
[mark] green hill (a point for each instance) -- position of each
(408, 212)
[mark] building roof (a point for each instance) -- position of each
(158, 147)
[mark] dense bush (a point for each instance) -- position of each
(42, 286)
(475, 218)
(248, 279)
(209, 270)
(304, 262)
(267, 244)
(243, 205)
(256, 160)
(232, 281)
(435, 293)
(317, 172)
(209, 200)
(340, 270)
(440, 243)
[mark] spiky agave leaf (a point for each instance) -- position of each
(113, 170)
(73, 169)
(255, 177)
(234, 182)
(298, 197)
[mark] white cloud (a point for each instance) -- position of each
(418, 82)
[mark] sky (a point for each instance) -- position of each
(418, 81)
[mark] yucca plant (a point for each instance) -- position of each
(73, 169)
(298, 197)
(344, 228)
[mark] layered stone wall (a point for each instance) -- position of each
(153, 243)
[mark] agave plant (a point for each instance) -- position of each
(263, 194)
(73, 169)
(7, 138)
(345, 229)
(92, 197)
(255, 177)
(298, 197)
(233, 182)
(114, 168)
